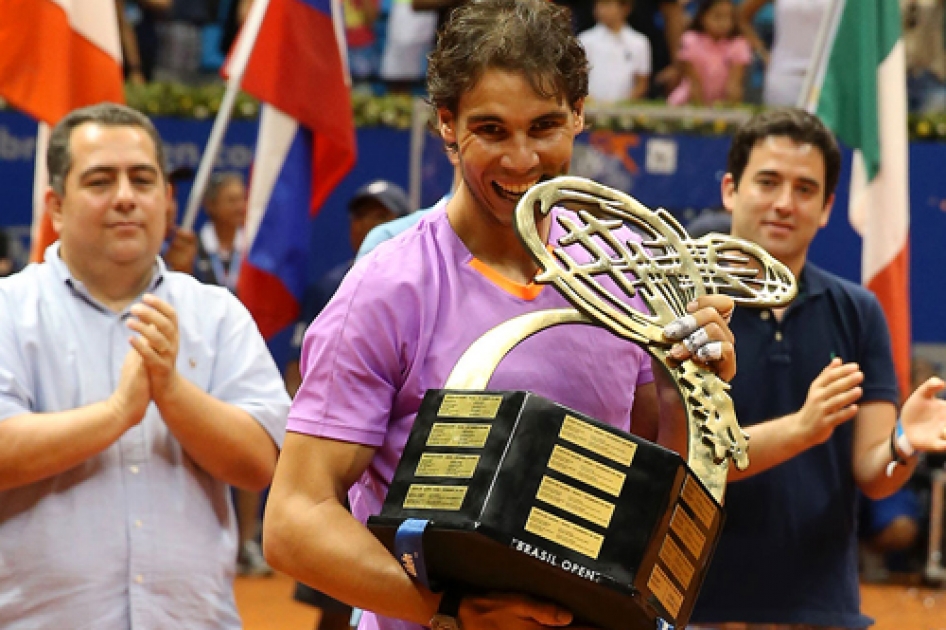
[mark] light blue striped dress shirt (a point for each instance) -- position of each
(137, 536)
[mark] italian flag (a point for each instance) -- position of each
(55, 56)
(863, 99)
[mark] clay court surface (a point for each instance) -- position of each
(267, 604)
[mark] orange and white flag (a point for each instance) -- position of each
(55, 56)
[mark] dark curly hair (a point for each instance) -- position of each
(795, 124)
(532, 37)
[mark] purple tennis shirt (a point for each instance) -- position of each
(397, 326)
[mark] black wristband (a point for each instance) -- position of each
(894, 453)
(450, 602)
(448, 611)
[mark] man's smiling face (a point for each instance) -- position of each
(508, 138)
(779, 203)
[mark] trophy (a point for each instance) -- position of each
(509, 491)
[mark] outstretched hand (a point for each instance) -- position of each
(704, 335)
(182, 251)
(924, 417)
(510, 612)
(832, 400)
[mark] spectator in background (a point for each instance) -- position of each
(372, 205)
(236, 15)
(410, 36)
(442, 7)
(619, 57)
(710, 220)
(131, 56)
(360, 16)
(796, 25)
(886, 527)
(137, 21)
(214, 257)
(7, 265)
(387, 231)
(131, 397)
(816, 392)
(221, 242)
(713, 57)
(181, 249)
(890, 527)
(923, 25)
(179, 41)
(221, 245)
(662, 22)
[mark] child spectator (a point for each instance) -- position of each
(410, 36)
(618, 55)
(796, 24)
(360, 16)
(7, 265)
(713, 55)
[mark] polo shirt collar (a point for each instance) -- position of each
(812, 282)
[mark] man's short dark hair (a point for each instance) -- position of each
(795, 124)
(59, 156)
(531, 37)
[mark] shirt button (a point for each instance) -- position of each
(139, 579)
(138, 523)
(778, 335)
(765, 315)
(133, 469)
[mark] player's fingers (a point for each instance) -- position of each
(683, 327)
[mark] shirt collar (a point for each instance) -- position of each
(812, 282)
(63, 274)
(208, 238)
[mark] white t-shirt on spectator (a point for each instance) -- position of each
(410, 36)
(616, 59)
(796, 33)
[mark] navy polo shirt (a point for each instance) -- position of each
(788, 552)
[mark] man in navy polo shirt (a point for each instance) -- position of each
(817, 393)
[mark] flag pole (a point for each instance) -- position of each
(236, 67)
(814, 75)
(40, 184)
(420, 115)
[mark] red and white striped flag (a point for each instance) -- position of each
(55, 56)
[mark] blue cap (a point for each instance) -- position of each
(388, 194)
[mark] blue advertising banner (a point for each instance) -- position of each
(679, 173)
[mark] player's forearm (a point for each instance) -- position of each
(324, 546)
(35, 446)
(771, 443)
(221, 438)
(871, 467)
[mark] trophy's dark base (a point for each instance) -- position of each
(479, 563)
(524, 495)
